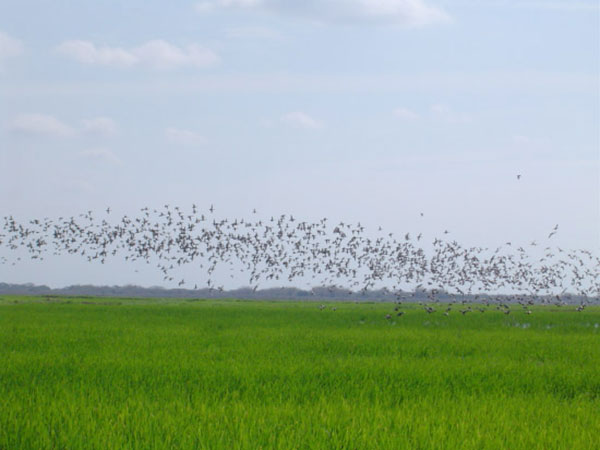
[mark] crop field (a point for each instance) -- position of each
(143, 374)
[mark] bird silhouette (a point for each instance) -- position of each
(343, 256)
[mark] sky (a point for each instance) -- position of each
(356, 110)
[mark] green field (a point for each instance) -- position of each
(143, 374)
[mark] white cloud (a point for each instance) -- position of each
(162, 55)
(444, 112)
(87, 53)
(564, 5)
(40, 124)
(157, 54)
(184, 137)
(210, 5)
(402, 12)
(570, 5)
(103, 126)
(100, 154)
(299, 119)
(48, 125)
(9, 47)
(405, 114)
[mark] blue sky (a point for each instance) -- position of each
(363, 110)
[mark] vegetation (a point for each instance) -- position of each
(142, 374)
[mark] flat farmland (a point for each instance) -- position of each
(141, 374)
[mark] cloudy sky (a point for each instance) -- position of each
(361, 110)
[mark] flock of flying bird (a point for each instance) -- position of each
(320, 253)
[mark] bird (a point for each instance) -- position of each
(343, 256)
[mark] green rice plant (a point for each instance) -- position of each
(144, 374)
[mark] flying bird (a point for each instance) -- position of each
(344, 257)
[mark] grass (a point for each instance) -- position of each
(143, 374)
